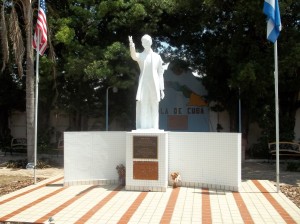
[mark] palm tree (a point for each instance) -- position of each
(15, 33)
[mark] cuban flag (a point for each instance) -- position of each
(271, 10)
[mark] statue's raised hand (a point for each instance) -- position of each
(130, 41)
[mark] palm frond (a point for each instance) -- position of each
(17, 40)
(4, 39)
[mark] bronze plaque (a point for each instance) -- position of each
(145, 147)
(145, 170)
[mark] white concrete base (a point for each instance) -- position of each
(136, 184)
(92, 157)
(203, 159)
(206, 159)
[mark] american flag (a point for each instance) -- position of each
(41, 29)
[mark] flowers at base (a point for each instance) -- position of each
(121, 170)
(175, 176)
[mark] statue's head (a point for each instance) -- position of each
(146, 41)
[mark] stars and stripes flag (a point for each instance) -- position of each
(40, 34)
(271, 10)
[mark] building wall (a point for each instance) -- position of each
(17, 124)
(60, 122)
(184, 107)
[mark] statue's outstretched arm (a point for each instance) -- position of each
(133, 53)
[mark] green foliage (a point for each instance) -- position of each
(123, 13)
(65, 34)
(113, 66)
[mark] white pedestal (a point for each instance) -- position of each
(147, 172)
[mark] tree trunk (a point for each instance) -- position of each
(3, 122)
(29, 83)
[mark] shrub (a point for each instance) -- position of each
(21, 164)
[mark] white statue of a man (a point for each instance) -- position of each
(151, 84)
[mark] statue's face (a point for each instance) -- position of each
(146, 44)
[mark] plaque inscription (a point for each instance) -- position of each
(144, 170)
(145, 147)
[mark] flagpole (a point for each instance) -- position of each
(36, 102)
(276, 114)
(271, 10)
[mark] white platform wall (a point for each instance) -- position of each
(203, 159)
(92, 157)
(210, 160)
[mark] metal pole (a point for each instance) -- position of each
(36, 104)
(276, 114)
(240, 112)
(106, 120)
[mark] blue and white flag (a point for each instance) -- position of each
(271, 10)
